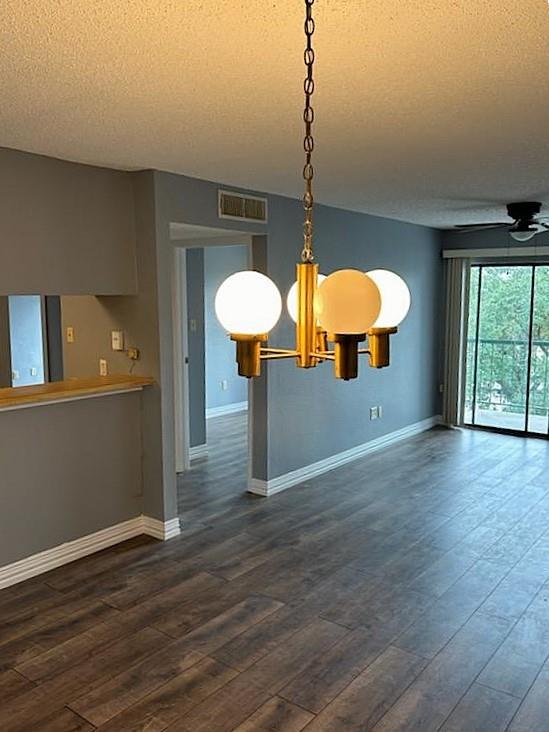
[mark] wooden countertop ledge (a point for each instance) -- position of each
(70, 390)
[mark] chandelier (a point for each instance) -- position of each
(333, 314)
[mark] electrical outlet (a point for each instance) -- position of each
(224, 385)
(70, 334)
(374, 414)
(117, 340)
(103, 369)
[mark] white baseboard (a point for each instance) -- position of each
(282, 482)
(162, 530)
(42, 562)
(227, 409)
(198, 451)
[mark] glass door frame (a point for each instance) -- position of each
(503, 430)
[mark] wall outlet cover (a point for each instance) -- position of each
(117, 340)
(103, 369)
(374, 413)
(70, 334)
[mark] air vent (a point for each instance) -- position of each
(244, 208)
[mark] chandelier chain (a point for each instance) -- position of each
(308, 141)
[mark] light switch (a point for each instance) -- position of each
(33, 371)
(103, 370)
(14, 375)
(117, 340)
(70, 334)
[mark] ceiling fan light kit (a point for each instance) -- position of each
(344, 309)
(526, 221)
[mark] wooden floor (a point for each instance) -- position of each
(406, 591)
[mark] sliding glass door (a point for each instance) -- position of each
(507, 379)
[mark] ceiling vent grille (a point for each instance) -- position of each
(244, 208)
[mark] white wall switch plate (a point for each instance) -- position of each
(33, 371)
(70, 334)
(224, 385)
(14, 375)
(103, 369)
(380, 411)
(117, 340)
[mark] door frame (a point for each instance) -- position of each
(503, 430)
(180, 332)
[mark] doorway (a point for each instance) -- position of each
(219, 454)
(507, 356)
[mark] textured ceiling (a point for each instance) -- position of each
(428, 111)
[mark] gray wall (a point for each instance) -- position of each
(311, 414)
(75, 229)
(219, 263)
(195, 338)
(65, 228)
(93, 319)
(26, 339)
(68, 470)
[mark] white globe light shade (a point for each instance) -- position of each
(395, 298)
(291, 300)
(248, 303)
(347, 302)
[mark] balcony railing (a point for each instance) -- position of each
(502, 376)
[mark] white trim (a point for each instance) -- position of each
(49, 559)
(162, 530)
(226, 409)
(198, 451)
(513, 251)
(270, 487)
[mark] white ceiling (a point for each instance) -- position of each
(432, 111)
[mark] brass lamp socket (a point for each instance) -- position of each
(321, 340)
(346, 354)
(378, 346)
(248, 353)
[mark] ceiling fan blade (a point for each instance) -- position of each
(481, 227)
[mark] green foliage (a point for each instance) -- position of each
(504, 327)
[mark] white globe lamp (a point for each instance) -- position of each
(347, 302)
(248, 303)
(291, 299)
(395, 298)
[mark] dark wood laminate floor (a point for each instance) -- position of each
(405, 591)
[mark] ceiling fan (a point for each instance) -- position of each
(525, 222)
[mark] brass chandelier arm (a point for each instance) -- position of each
(267, 354)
